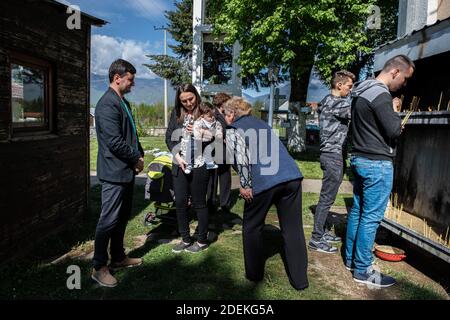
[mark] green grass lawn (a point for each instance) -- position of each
(309, 164)
(307, 161)
(217, 273)
(214, 274)
(148, 143)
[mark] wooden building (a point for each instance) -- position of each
(44, 120)
(422, 166)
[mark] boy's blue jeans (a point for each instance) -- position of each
(371, 189)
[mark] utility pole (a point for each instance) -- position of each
(165, 80)
(273, 78)
(271, 96)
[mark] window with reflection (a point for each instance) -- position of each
(30, 99)
(217, 62)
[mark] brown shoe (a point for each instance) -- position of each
(104, 278)
(126, 263)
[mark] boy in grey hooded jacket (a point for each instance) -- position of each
(334, 118)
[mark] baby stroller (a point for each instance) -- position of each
(159, 188)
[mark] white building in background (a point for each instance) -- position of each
(416, 14)
(210, 74)
(423, 31)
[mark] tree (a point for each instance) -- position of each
(377, 37)
(295, 34)
(177, 69)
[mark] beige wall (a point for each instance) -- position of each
(443, 9)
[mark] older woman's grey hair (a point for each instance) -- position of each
(238, 106)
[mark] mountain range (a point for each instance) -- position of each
(151, 91)
(284, 88)
(148, 91)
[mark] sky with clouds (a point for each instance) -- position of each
(130, 35)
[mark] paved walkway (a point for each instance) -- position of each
(308, 185)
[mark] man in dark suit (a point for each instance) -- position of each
(120, 158)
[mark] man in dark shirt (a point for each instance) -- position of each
(375, 126)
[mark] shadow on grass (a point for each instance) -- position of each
(218, 220)
(412, 291)
(77, 232)
(214, 274)
(336, 221)
(310, 155)
(273, 244)
(162, 276)
(183, 277)
(223, 220)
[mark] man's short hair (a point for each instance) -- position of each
(399, 62)
(341, 76)
(120, 67)
(220, 98)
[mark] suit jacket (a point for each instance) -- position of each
(119, 148)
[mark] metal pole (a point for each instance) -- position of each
(165, 83)
(270, 120)
(165, 80)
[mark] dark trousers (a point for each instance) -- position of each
(194, 184)
(220, 178)
(287, 198)
(115, 212)
(332, 165)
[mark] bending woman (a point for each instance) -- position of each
(273, 179)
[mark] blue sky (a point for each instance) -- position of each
(130, 35)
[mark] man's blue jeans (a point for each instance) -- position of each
(371, 189)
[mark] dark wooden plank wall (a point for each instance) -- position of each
(422, 172)
(44, 181)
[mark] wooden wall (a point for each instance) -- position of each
(44, 179)
(422, 171)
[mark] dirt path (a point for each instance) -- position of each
(412, 283)
(410, 280)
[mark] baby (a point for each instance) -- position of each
(205, 129)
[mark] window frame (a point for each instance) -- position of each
(27, 60)
(208, 37)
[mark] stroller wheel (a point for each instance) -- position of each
(149, 218)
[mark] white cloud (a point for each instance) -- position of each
(149, 9)
(106, 49)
